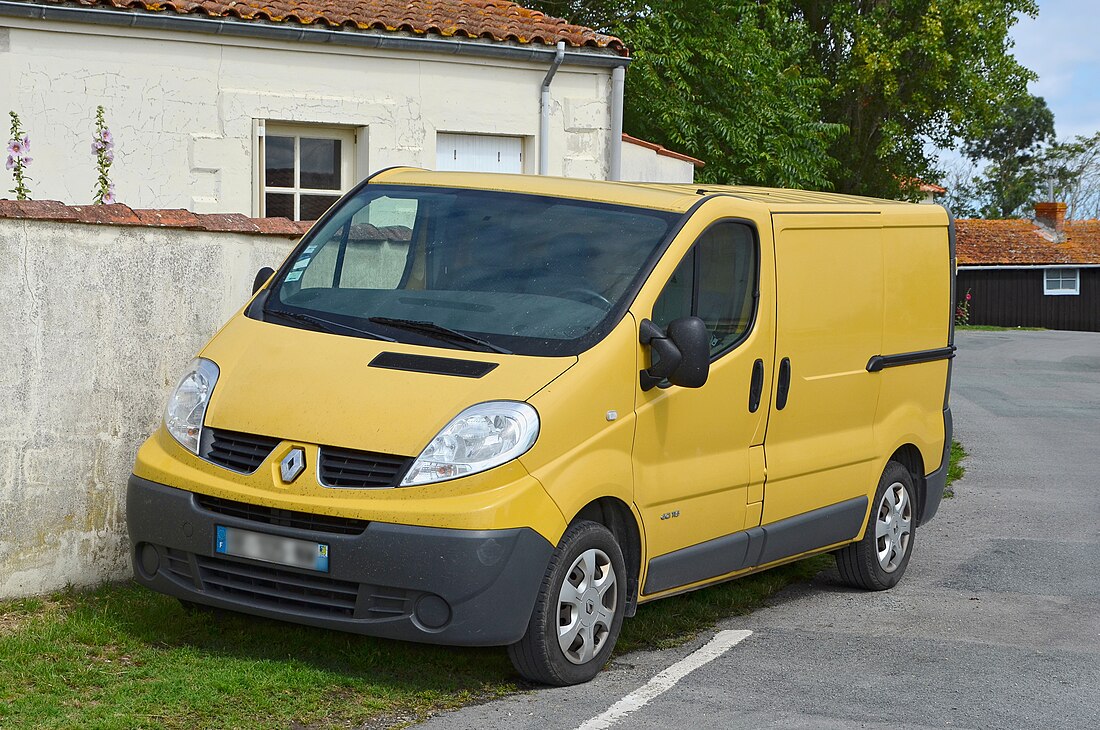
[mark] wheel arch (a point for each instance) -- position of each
(616, 516)
(909, 456)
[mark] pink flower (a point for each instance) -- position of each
(17, 149)
(10, 164)
(110, 196)
(106, 136)
(968, 296)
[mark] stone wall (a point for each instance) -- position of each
(98, 320)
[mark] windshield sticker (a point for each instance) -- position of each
(311, 249)
(294, 276)
(302, 262)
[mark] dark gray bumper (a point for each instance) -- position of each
(936, 482)
(434, 585)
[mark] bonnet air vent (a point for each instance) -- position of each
(432, 365)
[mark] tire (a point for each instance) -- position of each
(878, 561)
(572, 632)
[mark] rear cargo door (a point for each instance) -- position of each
(819, 444)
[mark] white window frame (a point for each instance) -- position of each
(1059, 280)
(346, 135)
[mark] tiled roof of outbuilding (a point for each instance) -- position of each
(1020, 242)
(497, 20)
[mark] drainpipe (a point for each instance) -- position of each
(615, 158)
(544, 117)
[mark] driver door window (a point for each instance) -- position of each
(716, 282)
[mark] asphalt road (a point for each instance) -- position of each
(996, 624)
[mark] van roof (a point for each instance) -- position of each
(663, 196)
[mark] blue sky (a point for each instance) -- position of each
(1062, 45)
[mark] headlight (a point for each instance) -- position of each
(186, 409)
(479, 438)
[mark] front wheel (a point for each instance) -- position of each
(878, 561)
(578, 612)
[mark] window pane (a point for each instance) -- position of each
(675, 300)
(727, 272)
(320, 163)
(314, 205)
(279, 162)
(279, 205)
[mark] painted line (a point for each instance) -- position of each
(666, 680)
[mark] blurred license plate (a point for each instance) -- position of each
(272, 548)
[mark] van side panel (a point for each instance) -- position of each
(820, 446)
(917, 275)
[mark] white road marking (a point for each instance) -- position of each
(666, 680)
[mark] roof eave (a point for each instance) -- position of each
(385, 40)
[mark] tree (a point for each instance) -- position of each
(722, 81)
(1011, 179)
(906, 72)
(822, 93)
(1072, 168)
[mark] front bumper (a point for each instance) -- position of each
(426, 584)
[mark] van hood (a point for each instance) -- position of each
(319, 388)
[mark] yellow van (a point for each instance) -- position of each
(505, 410)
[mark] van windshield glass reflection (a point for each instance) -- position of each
(470, 269)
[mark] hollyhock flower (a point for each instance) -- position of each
(16, 148)
(10, 164)
(968, 296)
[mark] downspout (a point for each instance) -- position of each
(544, 115)
(615, 158)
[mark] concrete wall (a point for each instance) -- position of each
(97, 323)
(182, 107)
(643, 164)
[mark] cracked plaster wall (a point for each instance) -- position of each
(98, 322)
(182, 105)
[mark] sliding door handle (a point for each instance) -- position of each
(756, 386)
(783, 387)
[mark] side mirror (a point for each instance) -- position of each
(261, 278)
(683, 353)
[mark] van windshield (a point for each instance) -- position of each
(469, 269)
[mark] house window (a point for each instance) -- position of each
(1062, 281)
(304, 170)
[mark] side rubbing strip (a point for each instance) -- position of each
(756, 546)
(878, 362)
(433, 365)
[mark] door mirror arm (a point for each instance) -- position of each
(668, 355)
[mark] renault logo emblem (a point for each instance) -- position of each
(293, 464)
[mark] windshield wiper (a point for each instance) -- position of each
(439, 331)
(327, 325)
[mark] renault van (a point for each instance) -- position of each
(493, 410)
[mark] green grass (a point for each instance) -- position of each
(122, 656)
(955, 469)
(992, 328)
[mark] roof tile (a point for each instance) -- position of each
(497, 20)
(1019, 242)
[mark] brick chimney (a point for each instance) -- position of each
(1051, 215)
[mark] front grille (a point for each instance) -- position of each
(241, 452)
(275, 587)
(282, 517)
(350, 469)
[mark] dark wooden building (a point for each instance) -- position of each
(1022, 273)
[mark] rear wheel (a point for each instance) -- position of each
(578, 612)
(878, 561)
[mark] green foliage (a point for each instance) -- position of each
(18, 158)
(841, 94)
(906, 72)
(1010, 180)
(723, 81)
(955, 469)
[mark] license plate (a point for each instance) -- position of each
(271, 548)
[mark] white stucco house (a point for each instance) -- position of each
(273, 108)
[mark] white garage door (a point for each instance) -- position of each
(479, 153)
